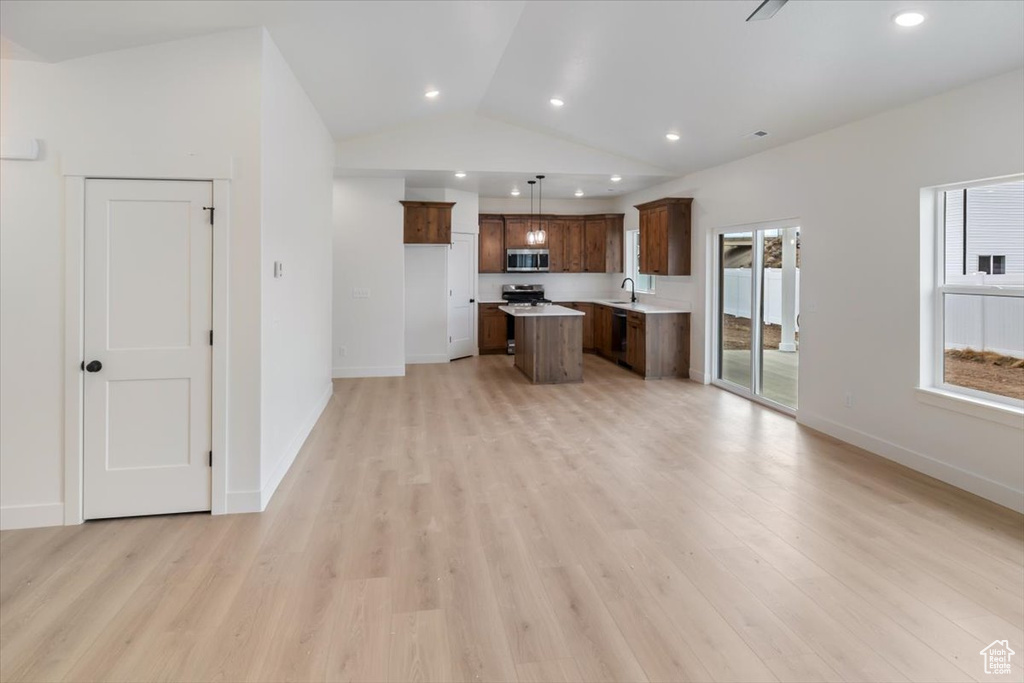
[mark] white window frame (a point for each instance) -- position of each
(934, 389)
(633, 263)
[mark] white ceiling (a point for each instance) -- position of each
(628, 71)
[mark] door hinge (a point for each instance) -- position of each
(211, 337)
(211, 210)
(211, 458)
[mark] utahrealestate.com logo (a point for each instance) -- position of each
(997, 657)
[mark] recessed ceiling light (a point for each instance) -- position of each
(555, 102)
(515, 192)
(579, 193)
(616, 178)
(460, 174)
(908, 19)
(672, 136)
(431, 94)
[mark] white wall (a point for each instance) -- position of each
(297, 159)
(369, 334)
(856, 191)
(426, 303)
(521, 204)
(178, 101)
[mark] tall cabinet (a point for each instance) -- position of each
(665, 236)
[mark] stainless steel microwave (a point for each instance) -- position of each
(526, 260)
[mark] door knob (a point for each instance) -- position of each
(94, 366)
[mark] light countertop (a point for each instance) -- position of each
(649, 309)
(550, 311)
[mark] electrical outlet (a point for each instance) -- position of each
(849, 399)
(341, 351)
(278, 269)
(360, 293)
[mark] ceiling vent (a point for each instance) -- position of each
(757, 134)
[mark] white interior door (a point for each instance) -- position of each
(147, 320)
(462, 296)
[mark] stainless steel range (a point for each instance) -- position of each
(520, 295)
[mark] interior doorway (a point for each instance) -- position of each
(758, 313)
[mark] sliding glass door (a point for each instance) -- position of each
(758, 313)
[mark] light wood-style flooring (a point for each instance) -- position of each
(462, 524)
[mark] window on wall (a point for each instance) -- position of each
(644, 283)
(980, 291)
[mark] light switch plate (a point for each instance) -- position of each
(360, 293)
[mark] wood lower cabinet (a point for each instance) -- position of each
(492, 244)
(493, 329)
(636, 346)
(428, 222)
(665, 235)
(588, 323)
(658, 345)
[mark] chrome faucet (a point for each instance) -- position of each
(632, 288)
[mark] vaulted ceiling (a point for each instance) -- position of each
(629, 72)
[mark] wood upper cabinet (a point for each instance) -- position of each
(573, 234)
(428, 222)
(602, 244)
(516, 228)
(492, 244)
(493, 329)
(665, 236)
(595, 242)
(575, 244)
(555, 230)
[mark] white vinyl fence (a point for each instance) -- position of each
(985, 323)
(736, 300)
(982, 323)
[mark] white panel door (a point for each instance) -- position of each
(462, 296)
(148, 287)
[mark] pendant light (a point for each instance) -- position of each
(542, 236)
(531, 236)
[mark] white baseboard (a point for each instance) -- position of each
(427, 358)
(698, 376)
(383, 371)
(986, 488)
(31, 516)
(293, 447)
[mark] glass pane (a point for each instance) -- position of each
(780, 306)
(984, 343)
(736, 258)
(990, 249)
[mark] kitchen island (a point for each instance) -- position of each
(549, 343)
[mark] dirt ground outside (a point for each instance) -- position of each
(991, 373)
(737, 334)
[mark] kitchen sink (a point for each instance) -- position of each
(620, 302)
